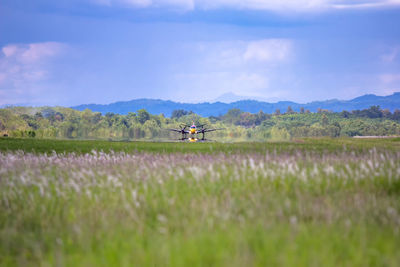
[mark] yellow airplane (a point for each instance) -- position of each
(193, 132)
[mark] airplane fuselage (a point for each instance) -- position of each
(193, 129)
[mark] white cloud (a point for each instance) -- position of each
(272, 5)
(268, 50)
(391, 55)
(2, 77)
(136, 3)
(248, 68)
(184, 4)
(31, 53)
(181, 4)
(363, 4)
(389, 78)
(9, 50)
(24, 65)
(233, 55)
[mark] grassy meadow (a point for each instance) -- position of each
(309, 202)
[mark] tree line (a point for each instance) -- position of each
(60, 122)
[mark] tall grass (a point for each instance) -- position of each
(300, 208)
(321, 145)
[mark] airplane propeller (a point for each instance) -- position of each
(182, 129)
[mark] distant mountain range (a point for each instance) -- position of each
(155, 106)
(232, 97)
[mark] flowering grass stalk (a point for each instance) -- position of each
(117, 208)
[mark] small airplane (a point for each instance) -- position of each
(193, 132)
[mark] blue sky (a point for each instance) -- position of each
(70, 52)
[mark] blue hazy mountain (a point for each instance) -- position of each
(231, 97)
(156, 106)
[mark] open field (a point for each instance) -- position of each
(324, 202)
(322, 145)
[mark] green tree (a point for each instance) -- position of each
(38, 115)
(143, 116)
(177, 113)
(324, 120)
(289, 110)
(345, 114)
(279, 133)
(232, 116)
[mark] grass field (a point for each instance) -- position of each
(323, 202)
(322, 145)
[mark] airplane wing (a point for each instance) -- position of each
(211, 130)
(177, 130)
(174, 130)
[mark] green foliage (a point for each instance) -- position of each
(143, 116)
(58, 122)
(279, 133)
(176, 114)
(290, 110)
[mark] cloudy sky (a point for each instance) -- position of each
(69, 52)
